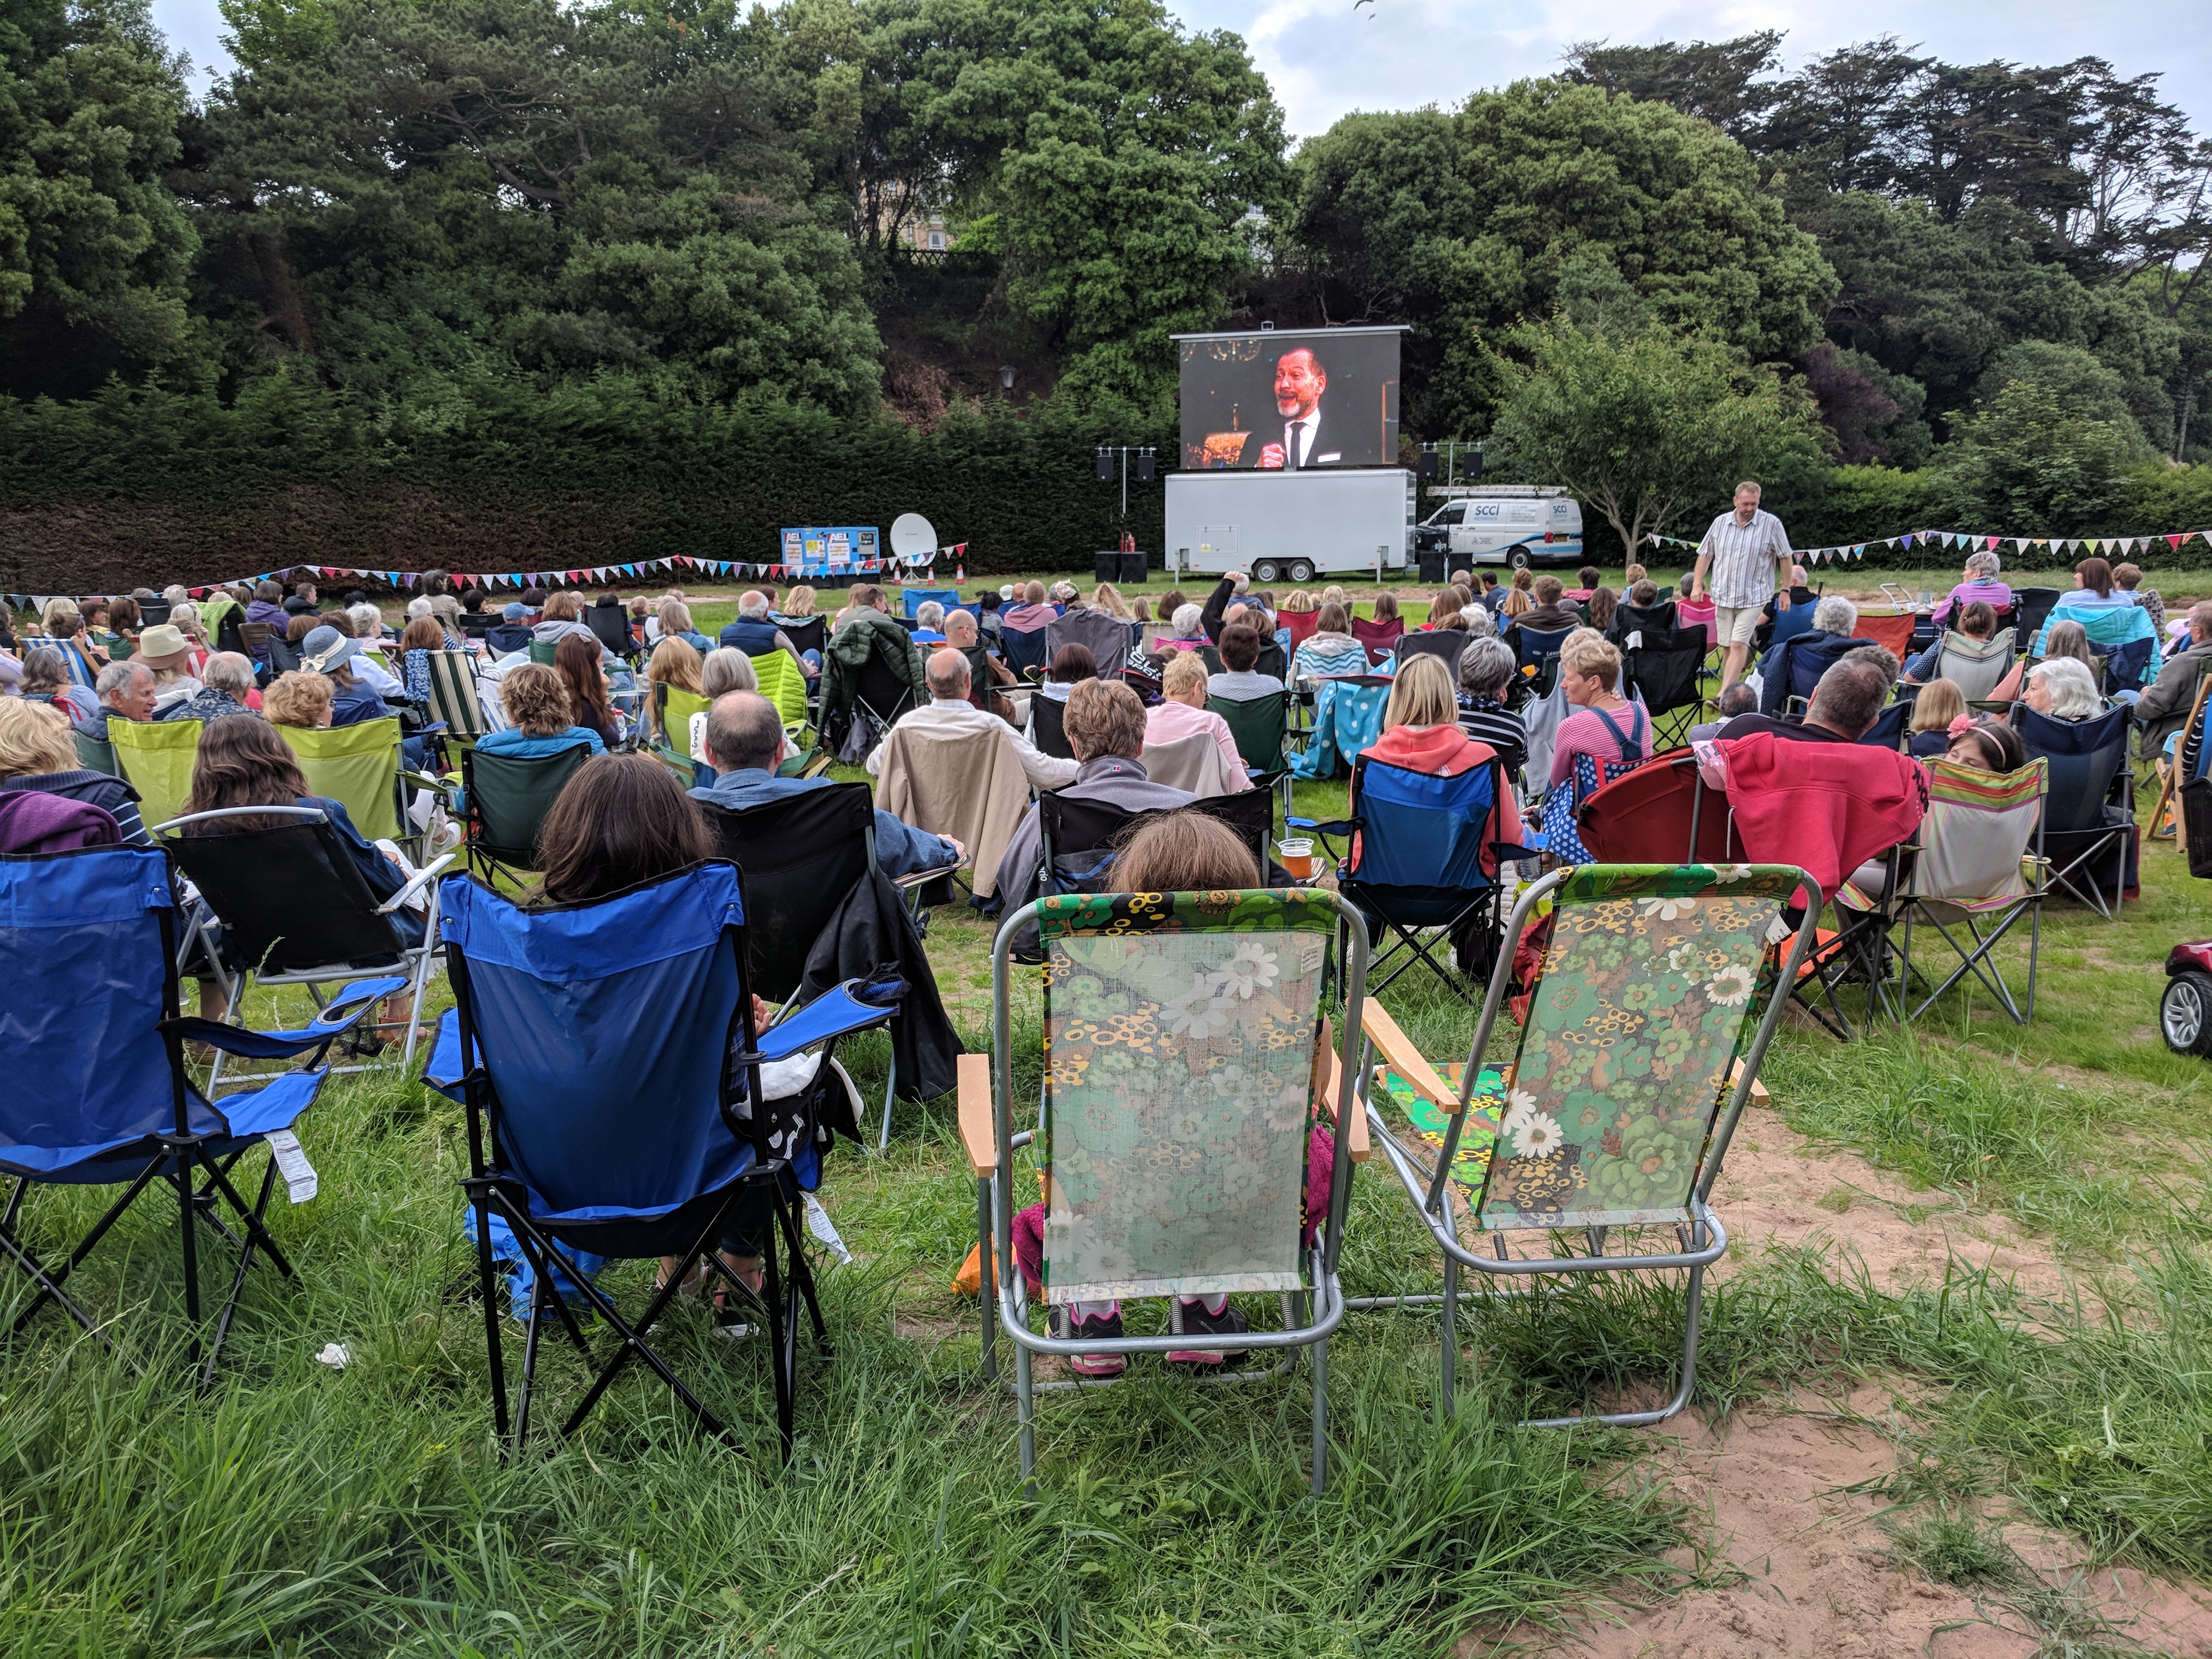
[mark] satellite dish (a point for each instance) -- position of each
(913, 535)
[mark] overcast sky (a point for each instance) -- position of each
(1325, 57)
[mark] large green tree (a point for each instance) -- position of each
(1463, 225)
(95, 252)
(1648, 427)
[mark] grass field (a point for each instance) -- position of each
(297, 1509)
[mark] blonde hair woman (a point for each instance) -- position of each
(1939, 704)
(1605, 725)
(38, 751)
(673, 663)
(1108, 598)
(1421, 733)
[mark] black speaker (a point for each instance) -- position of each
(1431, 563)
(1133, 566)
(1428, 464)
(1106, 566)
(1144, 469)
(1105, 466)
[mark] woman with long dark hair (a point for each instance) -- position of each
(576, 660)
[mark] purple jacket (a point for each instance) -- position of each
(33, 821)
(261, 611)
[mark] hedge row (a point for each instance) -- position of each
(148, 486)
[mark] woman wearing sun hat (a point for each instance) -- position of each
(165, 650)
(330, 653)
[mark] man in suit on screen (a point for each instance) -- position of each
(1300, 385)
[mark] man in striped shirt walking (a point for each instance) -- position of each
(1743, 562)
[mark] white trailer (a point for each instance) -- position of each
(1290, 527)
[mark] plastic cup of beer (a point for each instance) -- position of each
(1297, 856)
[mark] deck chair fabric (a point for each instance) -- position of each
(1194, 764)
(456, 697)
(295, 910)
(358, 767)
(1665, 674)
(156, 759)
(509, 797)
(2088, 827)
(1975, 666)
(967, 786)
(1347, 718)
(607, 1056)
(1893, 633)
(1173, 1022)
(98, 1093)
(1619, 1104)
(783, 683)
(1975, 871)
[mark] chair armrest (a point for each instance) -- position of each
(343, 1013)
(977, 1136)
(853, 1006)
(1397, 1049)
(916, 878)
(1332, 1085)
(1333, 827)
(436, 869)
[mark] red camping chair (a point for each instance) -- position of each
(1646, 816)
(1301, 624)
(1893, 633)
(1381, 638)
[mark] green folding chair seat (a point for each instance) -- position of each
(542, 653)
(155, 757)
(357, 767)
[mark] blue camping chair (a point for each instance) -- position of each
(2124, 664)
(1347, 716)
(1415, 860)
(918, 597)
(1541, 652)
(1888, 731)
(97, 1093)
(606, 1055)
(1024, 651)
(2088, 816)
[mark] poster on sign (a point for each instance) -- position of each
(828, 550)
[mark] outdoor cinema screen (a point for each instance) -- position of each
(1290, 399)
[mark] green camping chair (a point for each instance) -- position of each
(783, 683)
(1187, 1062)
(673, 709)
(357, 766)
(1617, 1110)
(507, 798)
(155, 757)
(97, 755)
(542, 653)
(1260, 728)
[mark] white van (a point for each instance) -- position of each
(1516, 524)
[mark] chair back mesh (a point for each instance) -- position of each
(1180, 1031)
(1650, 979)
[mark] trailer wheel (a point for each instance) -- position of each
(1264, 571)
(1519, 559)
(1301, 571)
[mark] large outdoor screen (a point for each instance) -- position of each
(1290, 399)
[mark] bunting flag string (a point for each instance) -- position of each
(1975, 541)
(492, 582)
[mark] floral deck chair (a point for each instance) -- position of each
(1617, 1110)
(1188, 1066)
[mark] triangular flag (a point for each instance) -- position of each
(2174, 542)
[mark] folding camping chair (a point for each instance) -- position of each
(97, 755)
(606, 1055)
(2033, 607)
(673, 709)
(1194, 764)
(1893, 633)
(1446, 645)
(801, 857)
(610, 626)
(1888, 731)
(1260, 728)
(2088, 812)
(915, 597)
(507, 799)
(357, 766)
(1975, 666)
(1218, 1000)
(295, 910)
(1048, 726)
(1024, 651)
(1969, 867)
(156, 759)
(1674, 966)
(541, 651)
(454, 698)
(1379, 638)
(1415, 860)
(2125, 665)
(1106, 639)
(1082, 838)
(97, 1091)
(1538, 655)
(1666, 672)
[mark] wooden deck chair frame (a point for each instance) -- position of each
(2170, 782)
(1700, 1238)
(987, 1100)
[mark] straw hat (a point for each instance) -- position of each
(164, 646)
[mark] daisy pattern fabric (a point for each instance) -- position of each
(1651, 981)
(1179, 1057)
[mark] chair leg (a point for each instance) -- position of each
(1025, 1410)
(802, 1272)
(1450, 1376)
(1320, 1417)
(190, 1236)
(255, 1234)
(782, 1339)
(487, 1280)
(890, 1084)
(539, 1291)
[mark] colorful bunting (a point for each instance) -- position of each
(2122, 545)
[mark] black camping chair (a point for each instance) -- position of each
(507, 799)
(2089, 816)
(1446, 645)
(880, 694)
(805, 633)
(1104, 638)
(1538, 651)
(802, 855)
(609, 625)
(294, 909)
(2033, 606)
(1024, 651)
(1082, 838)
(1048, 718)
(1667, 673)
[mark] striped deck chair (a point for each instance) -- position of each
(1614, 1117)
(1977, 868)
(454, 697)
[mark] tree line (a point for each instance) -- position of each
(453, 234)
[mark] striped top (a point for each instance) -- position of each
(1744, 557)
